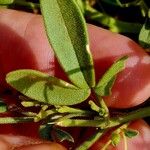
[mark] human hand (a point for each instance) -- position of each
(24, 45)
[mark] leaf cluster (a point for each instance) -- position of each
(67, 33)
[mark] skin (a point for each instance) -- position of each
(8, 142)
(24, 45)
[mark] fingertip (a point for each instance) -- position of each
(133, 84)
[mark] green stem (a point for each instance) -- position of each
(103, 124)
(78, 123)
(125, 142)
(144, 7)
(88, 143)
(15, 120)
(106, 145)
(134, 115)
(29, 114)
(44, 114)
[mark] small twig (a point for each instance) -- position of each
(15, 120)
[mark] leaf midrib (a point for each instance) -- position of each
(70, 38)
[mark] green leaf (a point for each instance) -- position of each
(103, 88)
(66, 109)
(94, 106)
(109, 86)
(81, 5)
(130, 133)
(3, 107)
(144, 8)
(144, 36)
(44, 88)
(6, 2)
(115, 139)
(30, 104)
(45, 131)
(63, 135)
(44, 114)
(67, 33)
(102, 110)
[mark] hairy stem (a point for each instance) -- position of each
(103, 123)
(125, 142)
(106, 145)
(88, 143)
(137, 114)
(15, 120)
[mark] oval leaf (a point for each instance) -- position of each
(144, 36)
(130, 133)
(44, 88)
(45, 131)
(105, 84)
(66, 31)
(81, 5)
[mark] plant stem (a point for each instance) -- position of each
(103, 124)
(88, 143)
(44, 114)
(15, 120)
(103, 106)
(106, 145)
(67, 109)
(27, 4)
(125, 142)
(137, 114)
